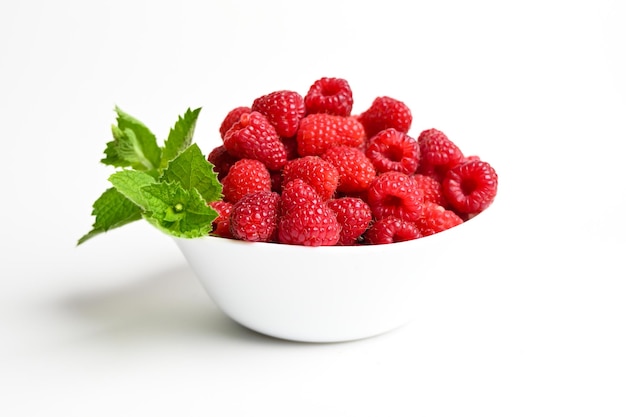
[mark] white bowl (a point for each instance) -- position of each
(326, 294)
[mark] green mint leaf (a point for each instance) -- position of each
(112, 155)
(177, 211)
(129, 183)
(133, 145)
(111, 209)
(180, 136)
(192, 170)
(170, 187)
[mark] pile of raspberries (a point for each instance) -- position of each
(305, 170)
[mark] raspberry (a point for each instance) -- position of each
(431, 188)
(329, 95)
(245, 176)
(436, 219)
(386, 112)
(254, 217)
(231, 118)
(470, 187)
(437, 153)
(319, 131)
(391, 230)
(222, 160)
(305, 219)
(315, 171)
(254, 137)
(356, 171)
(354, 217)
(296, 193)
(395, 194)
(392, 150)
(283, 109)
(221, 225)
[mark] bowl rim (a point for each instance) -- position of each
(475, 221)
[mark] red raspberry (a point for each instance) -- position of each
(245, 176)
(431, 188)
(386, 112)
(283, 109)
(436, 219)
(254, 217)
(296, 193)
(315, 171)
(329, 95)
(231, 118)
(221, 225)
(356, 171)
(395, 194)
(222, 161)
(391, 230)
(319, 131)
(470, 187)
(306, 220)
(437, 153)
(392, 150)
(254, 137)
(354, 217)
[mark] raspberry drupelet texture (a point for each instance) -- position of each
(436, 219)
(384, 113)
(390, 230)
(245, 176)
(296, 193)
(470, 187)
(231, 118)
(221, 225)
(431, 188)
(437, 153)
(319, 132)
(392, 150)
(329, 95)
(254, 217)
(305, 219)
(356, 170)
(354, 217)
(283, 110)
(395, 194)
(254, 137)
(315, 171)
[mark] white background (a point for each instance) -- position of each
(121, 327)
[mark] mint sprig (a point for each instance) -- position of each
(133, 145)
(170, 186)
(180, 136)
(111, 210)
(178, 211)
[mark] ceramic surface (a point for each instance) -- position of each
(324, 294)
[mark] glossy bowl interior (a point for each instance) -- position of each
(325, 294)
